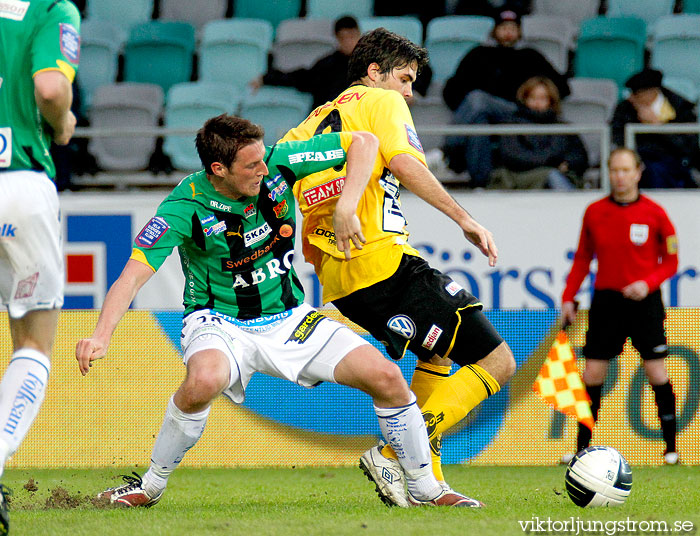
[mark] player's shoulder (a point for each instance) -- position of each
(56, 9)
(653, 206)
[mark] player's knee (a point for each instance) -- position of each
(500, 363)
(201, 387)
(389, 384)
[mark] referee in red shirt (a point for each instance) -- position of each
(636, 247)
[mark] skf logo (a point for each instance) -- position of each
(311, 156)
(8, 230)
(306, 327)
(402, 325)
(281, 209)
(257, 234)
(320, 193)
(432, 337)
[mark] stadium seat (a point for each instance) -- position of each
(592, 101)
(575, 10)
(430, 111)
(610, 47)
(647, 10)
(101, 43)
(552, 36)
(277, 109)
(189, 105)
(234, 51)
(301, 42)
(409, 27)
(125, 105)
(333, 9)
(272, 12)
(448, 39)
(123, 14)
(684, 87)
(195, 12)
(691, 6)
(676, 45)
(159, 53)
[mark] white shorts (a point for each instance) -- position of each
(31, 257)
(300, 345)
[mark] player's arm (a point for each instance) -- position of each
(360, 160)
(54, 95)
(117, 301)
(415, 176)
(579, 271)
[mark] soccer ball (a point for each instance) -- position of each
(598, 476)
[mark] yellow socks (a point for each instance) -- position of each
(452, 398)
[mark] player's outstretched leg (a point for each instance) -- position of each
(130, 493)
(4, 514)
(387, 476)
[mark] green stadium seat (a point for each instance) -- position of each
(277, 109)
(334, 9)
(124, 14)
(159, 53)
(273, 12)
(189, 105)
(234, 51)
(101, 43)
(676, 46)
(610, 47)
(407, 26)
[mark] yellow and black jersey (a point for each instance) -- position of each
(385, 114)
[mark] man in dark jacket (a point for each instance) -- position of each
(668, 158)
(483, 91)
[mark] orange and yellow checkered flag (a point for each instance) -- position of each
(559, 382)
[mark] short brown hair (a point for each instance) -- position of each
(632, 152)
(222, 136)
(531, 83)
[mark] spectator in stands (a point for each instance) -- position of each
(539, 161)
(483, 91)
(327, 78)
(668, 158)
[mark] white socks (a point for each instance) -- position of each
(404, 429)
(22, 391)
(178, 434)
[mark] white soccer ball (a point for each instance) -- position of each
(598, 476)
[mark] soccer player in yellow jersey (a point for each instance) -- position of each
(385, 286)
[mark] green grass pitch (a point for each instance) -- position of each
(336, 501)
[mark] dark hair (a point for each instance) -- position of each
(552, 92)
(388, 50)
(222, 136)
(346, 23)
(632, 152)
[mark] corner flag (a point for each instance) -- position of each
(559, 382)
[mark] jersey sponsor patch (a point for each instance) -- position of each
(5, 147)
(306, 327)
(277, 191)
(220, 206)
(13, 9)
(432, 337)
(412, 136)
(639, 233)
(208, 220)
(316, 156)
(217, 228)
(281, 209)
(402, 325)
(249, 211)
(152, 232)
(672, 245)
(324, 191)
(7, 230)
(70, 42)
(453, 288)
(256, 235)
(25, 288)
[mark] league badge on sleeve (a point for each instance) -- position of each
(70, 42)
(152, 232)
(413, 137)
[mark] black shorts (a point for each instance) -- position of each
(424, 310)
(613, 318)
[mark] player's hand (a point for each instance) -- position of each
(348, 231)
(63, 136)
(636, 291)
(568, 314)
(482, 239)
(87, 351)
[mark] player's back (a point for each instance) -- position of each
(34, 36)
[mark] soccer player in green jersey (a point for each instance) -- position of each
(39, 53)
(233, 224)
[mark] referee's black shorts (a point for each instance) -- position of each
(424, 310)
(613, 318)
